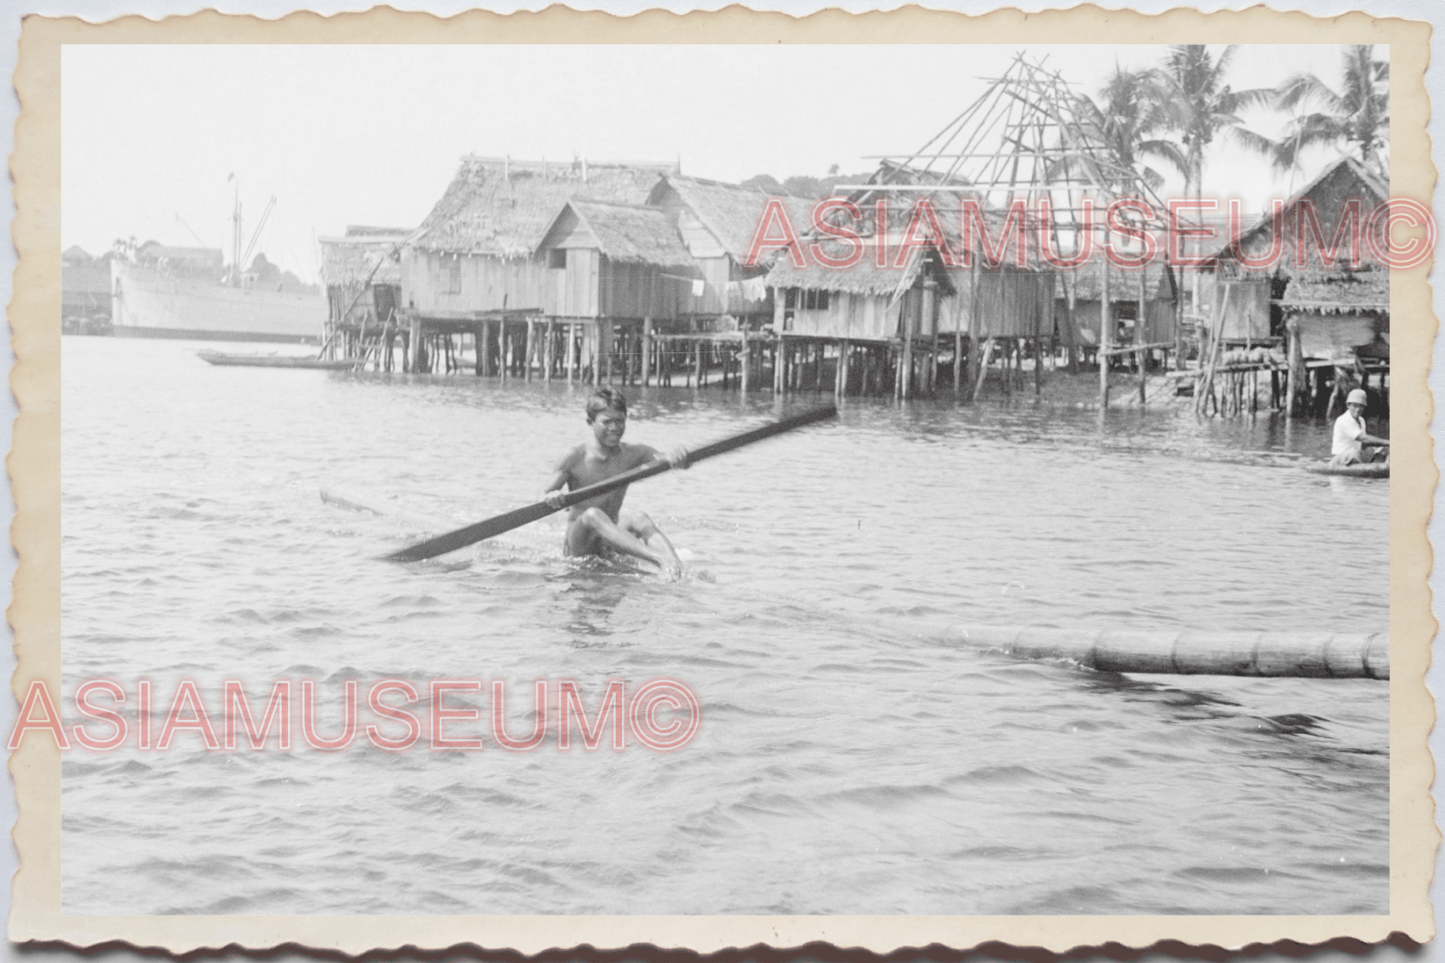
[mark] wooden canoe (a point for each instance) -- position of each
(276, 361)
(1370, 470)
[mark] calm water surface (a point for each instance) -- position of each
(855, 756)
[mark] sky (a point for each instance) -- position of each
(371, 134)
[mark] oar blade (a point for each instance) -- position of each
(463, 537)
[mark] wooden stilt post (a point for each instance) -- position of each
(594, 354)
(528, 346)
(1106, 332)
(1206, 376)
(744, 362)
(957, 356)
(646, 352)
(414, 340)
(905, 362)
(983, 356)
(973, 330)
(1141, 335)
(549, 340)
(930, 318)
(1295, 381)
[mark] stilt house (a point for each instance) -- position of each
(618, 272)
(474, 269)
(718, 223)
(1337, 307)
(926, 305)
(84, 292)
(1332, 318)
(362, 275)
(1085, 286)
(476, 249)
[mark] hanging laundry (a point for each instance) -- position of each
(699, 287)
(755, 289)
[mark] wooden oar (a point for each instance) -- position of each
(479, 531)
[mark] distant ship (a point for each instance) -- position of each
(190, 292)
(159, 296)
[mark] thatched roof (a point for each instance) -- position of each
(630, 232)
(729, 212)
(366, 230)
(1159, 282)
(1342, 293)
(865, 277)
(946, 194)
(1341, 181)
(353, 258)
(502, 207)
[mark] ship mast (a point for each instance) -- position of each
(236, 236)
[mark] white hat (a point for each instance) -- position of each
(1358, 397)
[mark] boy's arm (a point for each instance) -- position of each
(561, 479)
(675, 458)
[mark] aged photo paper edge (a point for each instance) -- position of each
(34, 465)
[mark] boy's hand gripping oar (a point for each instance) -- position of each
(479, 531)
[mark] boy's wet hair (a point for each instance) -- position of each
(605, 399)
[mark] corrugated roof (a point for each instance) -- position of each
(731, 213)
(632, 233)
(502, 207)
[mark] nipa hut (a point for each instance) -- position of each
(616, 271)
(362, 275)
(1079, 296)
(473, 270)
(84, 292)
(718, 222)
(1333, 317)
(920, 312)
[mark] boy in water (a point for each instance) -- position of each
(599, 524)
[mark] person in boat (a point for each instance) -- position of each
(1353, 445)
(599, 525)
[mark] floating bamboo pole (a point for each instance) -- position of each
(1320, 655)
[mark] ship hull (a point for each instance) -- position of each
(152, 304)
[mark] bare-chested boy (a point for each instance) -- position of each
(599, 524)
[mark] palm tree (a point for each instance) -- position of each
(1127, 121)
(1202, 106)
(1358, 118)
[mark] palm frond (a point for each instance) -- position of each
(1302, 89)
